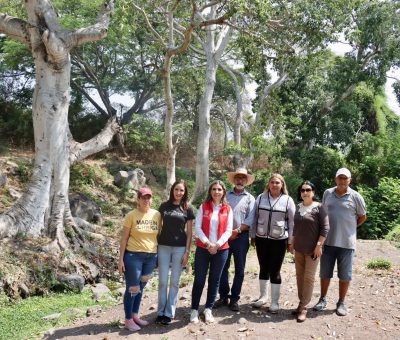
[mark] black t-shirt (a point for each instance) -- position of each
(174, 219)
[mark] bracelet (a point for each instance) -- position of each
(187, 251)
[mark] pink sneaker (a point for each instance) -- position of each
(131, 325)
(140, 322)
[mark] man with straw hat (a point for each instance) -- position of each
(242, 203)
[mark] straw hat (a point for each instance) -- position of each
(240, 171)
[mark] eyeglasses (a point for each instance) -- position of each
(217, 189)
(306, 190)
(275, 182)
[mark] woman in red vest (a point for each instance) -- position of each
(213, 228)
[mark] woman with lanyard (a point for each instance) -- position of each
(214, 222)
(271, 234)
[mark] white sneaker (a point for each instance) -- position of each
(208, 317)
(194, 316)
(262, 300)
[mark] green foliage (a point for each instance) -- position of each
(145, 136)
(110, 225)
(42, 277)
(319, 166)
(394, 234)
(383, 204)
(30, 313)
(24, 171)
(379, 264)
(82, 174)
(15, 123)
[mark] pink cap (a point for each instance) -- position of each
(144, 191)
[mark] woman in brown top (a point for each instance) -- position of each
(311, 226)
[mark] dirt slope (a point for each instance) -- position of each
(373, 301)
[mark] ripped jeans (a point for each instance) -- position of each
(138, 269)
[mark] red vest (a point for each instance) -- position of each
(222, 222)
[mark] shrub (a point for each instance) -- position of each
(145, 136)
(383, 205)
(379, 264)
(24, 171)
(394, 234)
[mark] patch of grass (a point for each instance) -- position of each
(5, 198)
(114, 323)
(109, 225)
(24, 171)
(23, 319)
(379, 264)
(289, 258)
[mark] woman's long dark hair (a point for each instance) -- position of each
(184, 201)
(209, 197)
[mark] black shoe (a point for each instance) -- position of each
(159, 319)
(221, 302)
(234, 306)
(166, 320)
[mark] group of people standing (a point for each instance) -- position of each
(225, 225)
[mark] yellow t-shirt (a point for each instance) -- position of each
(144, 229)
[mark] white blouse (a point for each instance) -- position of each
(213, 226)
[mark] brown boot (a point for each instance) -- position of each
(302, 316)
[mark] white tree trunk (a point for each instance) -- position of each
(213, 52)
(44, 208)
(168, 130)
(237, 136)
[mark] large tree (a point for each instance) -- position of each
(44, 208)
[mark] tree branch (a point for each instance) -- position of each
(150, 26)
(89, 98)
(79, 151)
(15, 28)
(95, 32)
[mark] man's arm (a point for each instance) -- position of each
(361, 219)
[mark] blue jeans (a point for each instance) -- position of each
(169, 256)
(203, 261)
(238, 248)
(137, 266)
(344, 258)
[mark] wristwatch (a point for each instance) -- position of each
(319, 243)
(239, 230)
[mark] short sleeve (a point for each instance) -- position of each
(190, 214)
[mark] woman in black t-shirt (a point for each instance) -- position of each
(173, 248)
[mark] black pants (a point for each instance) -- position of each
(270, 254)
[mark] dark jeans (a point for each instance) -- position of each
(238, 248)
(270, 254)
(203, 261)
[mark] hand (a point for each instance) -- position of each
(213, 248)
(121, 266)
(317, 252)
(234, 235)
(290, 248)
(253, 242)
(185, 259)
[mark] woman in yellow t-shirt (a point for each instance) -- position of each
(138, 255)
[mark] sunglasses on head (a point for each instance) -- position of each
(306, 190)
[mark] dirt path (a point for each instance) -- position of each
(373, 301)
